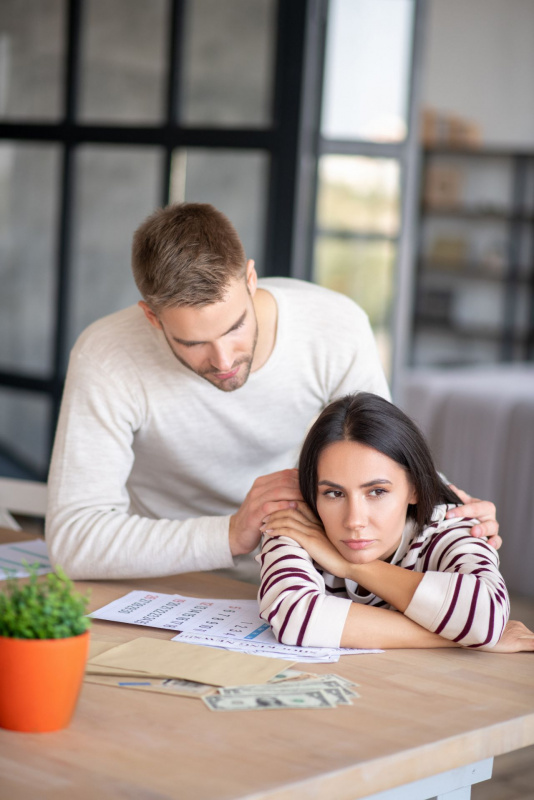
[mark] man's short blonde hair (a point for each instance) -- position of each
(186, 255)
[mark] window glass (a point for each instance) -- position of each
(29, 184)
(358, 194)
(116, 188)
(367, 69)
(228, 62)
(233, 181)
(24, 431)
(358, 220)
(32, 49)
(363, 270)
(124, 47)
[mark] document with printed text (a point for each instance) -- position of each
(227, 624)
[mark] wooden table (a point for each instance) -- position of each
(442, 713)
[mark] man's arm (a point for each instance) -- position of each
(91, 529)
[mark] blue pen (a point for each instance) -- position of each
(135, 683)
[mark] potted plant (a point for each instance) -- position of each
(44, 643)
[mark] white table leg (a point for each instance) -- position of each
(458, 794)
(453, 785)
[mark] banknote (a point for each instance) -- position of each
(291, 675)
(263, 701)
(288, 687)
(332, 688)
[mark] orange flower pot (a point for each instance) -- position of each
(40, 680)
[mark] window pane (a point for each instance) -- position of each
(116, 188)
(358, 194)
(29, 184)
(367, 69)
(124, 46)
(234, 182)
(24, 430)
(228, 62)
(363, 270)
(31, 55)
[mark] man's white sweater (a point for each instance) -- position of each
(150, 460)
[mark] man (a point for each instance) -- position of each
(173, 407)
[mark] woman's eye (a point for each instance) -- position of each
(377, 492)
(333, 493)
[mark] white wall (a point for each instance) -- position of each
(479, 63)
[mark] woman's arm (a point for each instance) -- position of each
(370, 627)
(294, 601)
(461, 596)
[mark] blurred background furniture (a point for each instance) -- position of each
(21, 497)
(479, 423)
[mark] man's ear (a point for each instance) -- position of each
(251, 277)
(150, 315)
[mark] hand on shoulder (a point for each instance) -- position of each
(483, 510)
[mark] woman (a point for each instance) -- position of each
(372, 540)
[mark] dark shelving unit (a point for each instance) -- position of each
(441, 281)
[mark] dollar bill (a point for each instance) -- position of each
(337, 691)
(291, 675)
(263, 701)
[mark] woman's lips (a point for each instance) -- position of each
(358, 544)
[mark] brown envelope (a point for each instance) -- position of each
(150, 684)
(189, 661)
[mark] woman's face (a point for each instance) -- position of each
(362, 500)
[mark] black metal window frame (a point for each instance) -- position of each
(280, 141)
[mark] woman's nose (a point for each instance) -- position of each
(356, 516)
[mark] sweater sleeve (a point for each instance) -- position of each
(462, 595)
(293, 600)
(90, 530)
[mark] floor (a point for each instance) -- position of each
(513, 774)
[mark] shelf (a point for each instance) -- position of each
(468, 270)
(476, 213)
(480, 152)
(495, 334)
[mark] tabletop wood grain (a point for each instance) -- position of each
(420, 713)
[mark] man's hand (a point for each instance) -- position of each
(516, 638)
(270, 493)
(483, 510)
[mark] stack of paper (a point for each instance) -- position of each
(159, 665)
(145, 664)
(227, 624)
(16, 555)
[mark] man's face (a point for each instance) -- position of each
(216, 341)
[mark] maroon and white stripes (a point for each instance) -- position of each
(461, 597)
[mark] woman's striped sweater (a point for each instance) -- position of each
(461, 597)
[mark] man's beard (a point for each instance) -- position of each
(231, 384)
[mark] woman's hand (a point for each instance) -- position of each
(516, 638)
(301, 525)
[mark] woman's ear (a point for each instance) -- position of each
(413, 499)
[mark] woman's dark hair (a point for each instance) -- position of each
(370, 420)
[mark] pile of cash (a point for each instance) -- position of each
(292, 690)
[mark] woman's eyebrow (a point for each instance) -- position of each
(362, 486)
